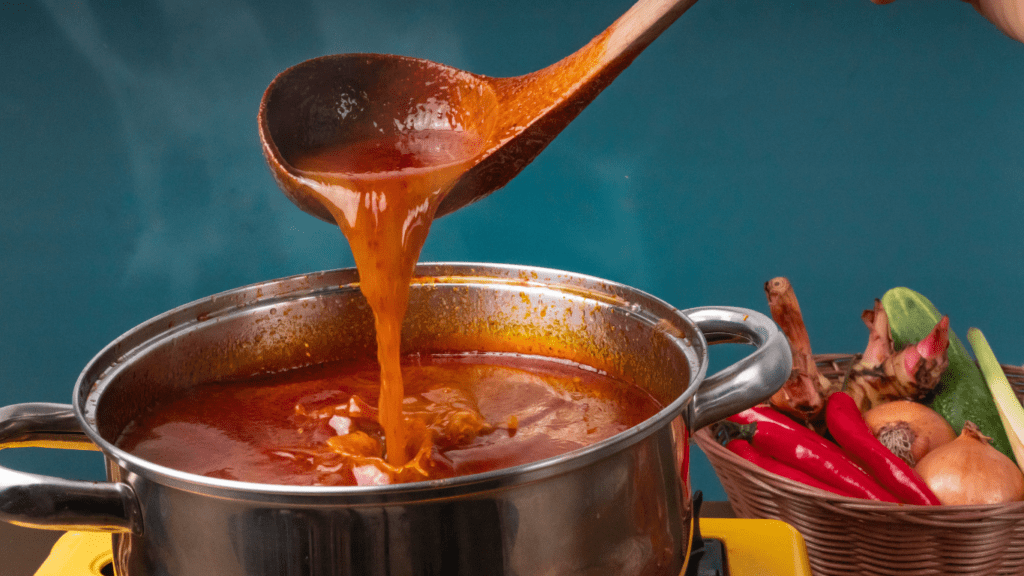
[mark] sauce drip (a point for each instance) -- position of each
(317, 425)
(383, 192)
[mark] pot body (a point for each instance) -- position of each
(626, 514)
(621, 506)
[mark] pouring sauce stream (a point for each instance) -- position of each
(383, 194)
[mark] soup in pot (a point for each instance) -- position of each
(463, 414)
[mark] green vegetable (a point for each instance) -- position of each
(962, 394)
(1010, 410)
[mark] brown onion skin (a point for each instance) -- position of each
(969, 470)
(930, 429)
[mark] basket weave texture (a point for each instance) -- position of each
(850, 536)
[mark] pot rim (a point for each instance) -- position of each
(290, 287)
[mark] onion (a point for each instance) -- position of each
(969, 470)
(908, 429)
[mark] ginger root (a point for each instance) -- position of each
(880, 374)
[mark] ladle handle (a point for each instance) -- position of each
(641, 24)
(747, 382)
(38, 501)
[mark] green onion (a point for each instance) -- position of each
(1009, 407)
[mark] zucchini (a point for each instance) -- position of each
(962, 394)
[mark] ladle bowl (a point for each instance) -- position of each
(347, 98)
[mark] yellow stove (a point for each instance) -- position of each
(734, 547)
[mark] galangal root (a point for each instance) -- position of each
(803, 395)
(882, 374)
(879, 374)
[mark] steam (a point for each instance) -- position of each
(178, 111)
(185, 86)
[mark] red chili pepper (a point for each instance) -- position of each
(770, 414)
(791, 443)
(745, 450)
(846, 424)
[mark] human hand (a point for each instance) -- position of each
(1007, 15)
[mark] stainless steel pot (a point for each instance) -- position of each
(621, 506)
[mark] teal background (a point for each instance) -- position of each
(847, 146)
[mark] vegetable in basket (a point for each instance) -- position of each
(969, 470)
(962, 394)
(879, 375)
(847, 426)
(1011, 413)
(802, 396)
(908, 429)
(882, 374)
(866, 376)
(742, 448)
(776, 434)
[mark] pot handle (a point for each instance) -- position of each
(749, 381)
(38, 501)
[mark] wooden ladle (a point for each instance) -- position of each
(351, 97)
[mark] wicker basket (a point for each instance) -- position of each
(850, 536)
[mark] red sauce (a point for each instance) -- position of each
(318, 426)
(383, 193)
